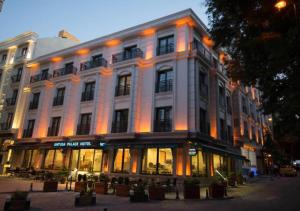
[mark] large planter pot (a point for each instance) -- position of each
(138, 198)
(101, 188)
(80, 186)
(85, 200)
(50, 186)
(122, 190)
(217, 190)
(17, 205)
(156, 193)
(191, 192)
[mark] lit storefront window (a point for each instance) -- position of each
(199, 164)
(30, 158)
(122, 160)
(157, 161)
(54, 159)
(89, 160)
(220, 163)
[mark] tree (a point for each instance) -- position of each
(263, 44)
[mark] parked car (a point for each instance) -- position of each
(296, 164)
(287, 170)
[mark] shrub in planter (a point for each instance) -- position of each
(138, 193)
(156, 191)
(85, 198)
(217, 190)
(80, 185)
(101, 186)
(50, 184)
(122, 188)
(18, 201)
(191, 189)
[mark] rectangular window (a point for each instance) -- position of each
(164, 81)
(229, 134)
(123, 86)
(27, 133)
(19, 74)
(54, 160)
(129, 52)
(253, 134)
(4, 57)
(59, 98)
(49, 159)
(221, 97)
(120, 122)
(86, 160)
(199, 164)
(244, 105)
(203, 87)
(74, 160)
(157, 161)
(84, 125)
(222, 130)
(204, 123)
(35, 101)
(14, 97)
(165, 45)
(88, 93)
(122, 160)
(30, 158)
(246, 133)
(97, 160)
(228, 104)
(54, 128)
(163, 119)
(24, 51)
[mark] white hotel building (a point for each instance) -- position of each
(153, 99)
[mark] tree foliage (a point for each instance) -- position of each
(263, 44)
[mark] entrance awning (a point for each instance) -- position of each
(222, 151)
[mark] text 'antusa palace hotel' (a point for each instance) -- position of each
(153, 99)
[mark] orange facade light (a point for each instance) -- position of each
(56, 59)
(280, 4)
(113, 42)
(83, 51)
(148, 32)
(187, 20)
(208, 41)
(222, 57)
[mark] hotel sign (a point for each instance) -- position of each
(192, 152)
(78, 144)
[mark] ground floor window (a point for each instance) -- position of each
(220, 163)
(54, 159)
(199, 164)
(157, 161)
(89, 160)
(30, 158)
(122, 160)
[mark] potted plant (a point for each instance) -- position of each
(122, 187)
(50, 183)
(18, 201)
(232, 179)
(85, 198)
(191, 189)
(101, 185)
(156, 191)
(62, 176)
(217, 190)
(80, 184)
(138, 193)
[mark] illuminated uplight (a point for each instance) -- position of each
(56, 59)
(26, 89)
(280, 4)
(113, 42)
(208, 41)
(187, 20)
(148, 32)
(12, 47)
(83, 51)
(270, 119)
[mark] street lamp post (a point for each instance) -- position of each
(281, 4)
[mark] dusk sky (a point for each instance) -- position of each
(86, 19)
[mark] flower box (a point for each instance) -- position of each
(122, 190)
(50, 186)
(156, 193)
(101, 188)
(217, 190)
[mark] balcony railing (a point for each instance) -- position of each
(87, 96)
(40, 77)
(163, 125)
(27, 133)
(165, 49)
(119, 127)
(64, 71)
(11, 101)
(33, 105)
(20, 57)
(52, 131)
(5, 126)
(57, 101)
(92, 64)
(127, 55)
(164, 86)
(15, 78)
(122, 90)
(201, 51)
(83, 129)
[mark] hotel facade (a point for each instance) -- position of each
(151, 100)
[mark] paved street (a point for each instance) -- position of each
(260, 194)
